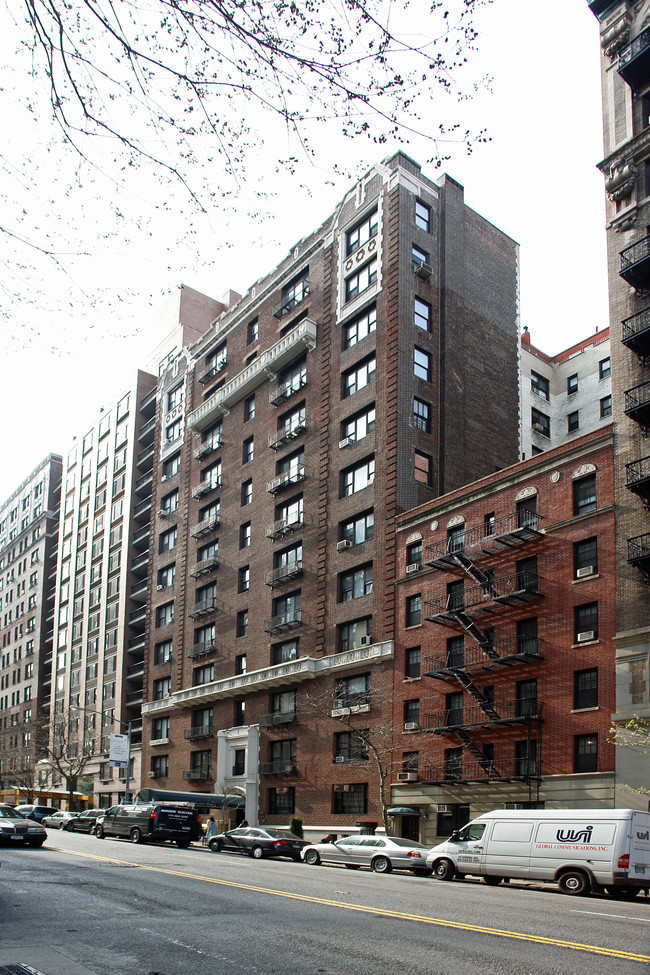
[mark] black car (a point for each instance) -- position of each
(16, 828)
(156, 821)
(84, 822)
(258, 842)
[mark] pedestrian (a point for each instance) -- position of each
(244, 822)
(210, 829)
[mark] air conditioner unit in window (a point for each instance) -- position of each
(159, 588)
(340, 758)
(152, 775)
(538, 428)
(411, 725)
(346, 442)
(413, 567)
(365, 640)
(283, 791)
(585, 636)
(445, 808)
(423, 270)
(407, 776)
(346, 788)
(514, 805)
(345, 543)
(586, 570)
(289, 769)
(163, 512)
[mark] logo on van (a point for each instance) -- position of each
(643, 836)
(575, 835)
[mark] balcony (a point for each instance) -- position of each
(205, 527)
(280, 766)
(207, 487)
(204, 566)
(294, 476)
(278, 718)
(635, 264)
(203, 608)
(144, 483)
(634, 61)
(285, 621)
(351, 704)
(134, 699)
(208, 447)
(637, 479)
(285, 526)
(280, 355)
(197, 774)
(501, 713)
(513, 529)
(141, 537)
(140, 562)
(144, 459)
(284, 573)
(500, 654)
(214, 370)
(463, 772)
(138, 615)
(198, 731)
(288, 304)
(638, 552)
(283, 392)
(148, 401)
(204, 649)
(287, 433)
(142, 509)
(140, 590)
(136, 643)
(135, 671)
(637, 405)
(147, 431)
(512, 590)
(636, 334)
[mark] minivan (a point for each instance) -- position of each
(157, 821)
(582, 850)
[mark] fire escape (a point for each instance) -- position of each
(472, 610)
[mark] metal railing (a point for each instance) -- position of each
(284, 621)
(474, 716)
(279, 766)
(283, 573)
(278, 718)
(478, 535)
(472, 655)
(637, 471)
(515, 587)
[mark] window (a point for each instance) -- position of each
(351, 746)
(163, 652)
(356, 478)
(203, 674)
(169, 502)
(245, 535)
(171, 466)
(422, 315)
(359, 376)
(200, 765)
(584, 495)
(456, 595)
(573, 422)
(358, 529)
(281, 801)
(355, 583)
(527, 636)
(204, 638)
(215, 362)
(453, 763)
(422, 365)
(585, 557)
(412, 659)
(604, 368)
(239, 713)
(541, 423)
(422, 215)
(414, 553)
(211, 476)
(572, 384)
(173, 431)
(350, 799)
(282, 653)
(290, 512)
(284, 702)
(247, 492)
(239, 761)
(252, 332)
(585, 689)
(525, 758)
(585, 753)
(242, 622)
(418, 256)
(355, 634)
(288, 607)
(209, 551)
(454, 708)
(361, 280)
(359, 327)
(359, 425)
(244, 579)
(526, 700)
(162, 687)
(240, 663)
(423, 468)
(413, 610)
(247, 450)
(412, 711)
(527, 512)
(294, 292)
(166, 576)
(539, 385)
(585, 620)
(165, 614)
(605, 407)
(361, 233)
(167, 540)
(249, 408)
(159, 766)
(421, 415)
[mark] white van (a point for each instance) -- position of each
(579, 849)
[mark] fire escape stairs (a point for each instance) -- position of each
(483, 702)
(485, 763)
(480, 577)
(477, 634)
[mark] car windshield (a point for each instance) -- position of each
(400, 841)
(11, 814)
(283, 833)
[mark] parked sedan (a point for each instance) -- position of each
(57, 820)
(15, 828)
(258, 842)
(36, 812)
(84, 822)
(381, 853)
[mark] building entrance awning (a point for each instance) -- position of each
(202, 799)
(403, 811)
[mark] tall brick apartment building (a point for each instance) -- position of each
(625, 39)
(347, 386)
(504, 662)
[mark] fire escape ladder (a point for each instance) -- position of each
(477, 575)
(468, 685)
(465, 620)
(468, 743)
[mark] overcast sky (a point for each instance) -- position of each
(73, 332)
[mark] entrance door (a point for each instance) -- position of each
(410, 828)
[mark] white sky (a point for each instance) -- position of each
(71, 340)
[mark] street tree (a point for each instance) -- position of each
(66, 748)
(633, 734)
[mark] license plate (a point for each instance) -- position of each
(639, 869)
(17, 839)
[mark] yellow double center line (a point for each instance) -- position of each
(378, 911)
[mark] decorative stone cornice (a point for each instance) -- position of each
(616, 34)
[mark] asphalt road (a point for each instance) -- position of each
(83, 906)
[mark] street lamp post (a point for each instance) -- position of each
(124, 724)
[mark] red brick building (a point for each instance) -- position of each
(504, 660)
(345, 387)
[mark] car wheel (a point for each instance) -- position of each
(257, 852)
(574, 882)
(492, 881)
(381, 865)
(622, 893)
(215, 846)
(99, 833)
(444, 870)
(312, 858)
(183, 844)
(136, 835)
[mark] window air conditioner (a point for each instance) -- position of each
(365, 640)
(413, 567)
(445, 808)
(340, 758)
(345, 543)
(346, 442)
(407, 776)
(288, 769)
(585, 636)
(423, 270)
(159, 588)
(514, 805)
(411, 725)
(152, 775)
(586, 570)
(163, 512)
(538, 428)
(346, 788)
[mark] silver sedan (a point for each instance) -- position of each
(381, 853)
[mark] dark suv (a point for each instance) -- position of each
(157, 821)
